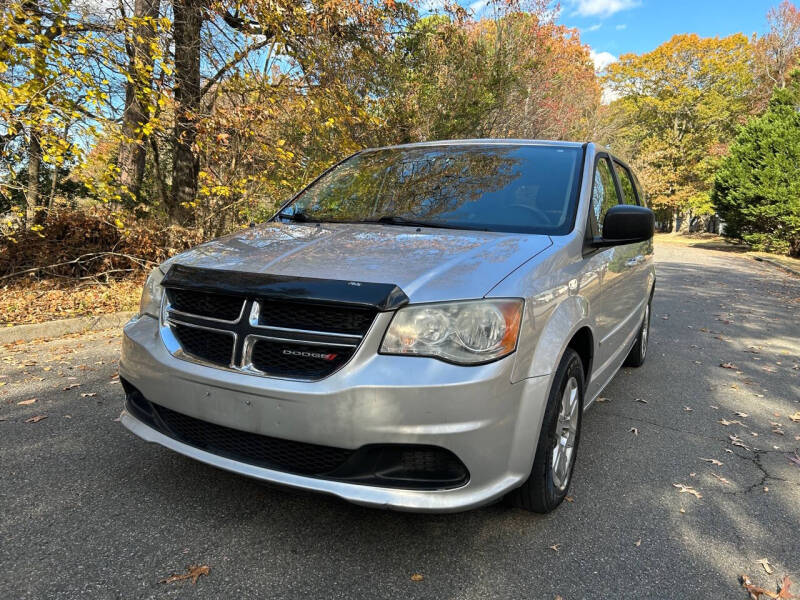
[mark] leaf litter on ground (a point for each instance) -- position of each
(193, 572)
(687, 489)
(756, 592)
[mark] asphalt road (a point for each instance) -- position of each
(89, 511)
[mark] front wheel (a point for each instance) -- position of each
(547, 485)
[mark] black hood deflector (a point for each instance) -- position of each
(381, 296)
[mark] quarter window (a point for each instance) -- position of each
(604, 192)
(624, 176)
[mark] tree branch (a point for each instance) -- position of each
(237, 57)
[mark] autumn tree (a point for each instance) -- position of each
(142, 49)
(518, 74)
(777, 52)
(679, 107)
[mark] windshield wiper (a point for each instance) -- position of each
(396, 220)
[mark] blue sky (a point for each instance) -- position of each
(614, 27)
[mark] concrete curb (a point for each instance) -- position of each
(775, 263)
(52, 329)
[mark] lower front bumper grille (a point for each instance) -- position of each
(388, 465)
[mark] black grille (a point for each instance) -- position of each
(316, 349)
(213, 346)
(283, 359)
(216, 306)
(261, 450)
(316, 317)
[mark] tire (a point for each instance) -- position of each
(546, 486)
(638, 352)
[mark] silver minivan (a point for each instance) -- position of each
(421, 328)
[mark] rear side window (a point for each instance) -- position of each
(604, 192)
(626, 183)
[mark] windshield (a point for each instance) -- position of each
(520, 188)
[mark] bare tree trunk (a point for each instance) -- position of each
(53, 184)
(188, 16)
(32, 193)
(133, 150)
(162, 190)
(686, 222)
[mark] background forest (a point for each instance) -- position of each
(132, 129)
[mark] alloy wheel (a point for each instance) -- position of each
(566, 434)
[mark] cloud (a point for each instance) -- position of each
(594, 27)
(601, 8)
(429, 6)
(601, 59)
(478, 6)
(621, 27)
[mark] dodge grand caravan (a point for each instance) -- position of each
(421, 328)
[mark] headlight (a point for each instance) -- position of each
(471, 332)
(152, 294)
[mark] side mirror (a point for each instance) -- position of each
(626, 224)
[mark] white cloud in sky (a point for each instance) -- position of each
(478, 6)
(594, 27)
(621, 26)
(601, 8)
(601, 59)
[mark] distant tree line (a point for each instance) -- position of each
(206, 114)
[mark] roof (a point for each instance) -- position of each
(482, 142)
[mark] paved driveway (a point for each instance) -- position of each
(88, 511)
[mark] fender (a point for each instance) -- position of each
(554, 332)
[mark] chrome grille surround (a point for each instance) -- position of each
(246, 330)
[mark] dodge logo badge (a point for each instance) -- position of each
(320, 355)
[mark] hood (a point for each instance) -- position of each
(429, 265)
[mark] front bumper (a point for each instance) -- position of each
(490, 424)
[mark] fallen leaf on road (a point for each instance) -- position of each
(36, 419)
(638, 542)
(728, 365)
(603, 400)
(569, 498)
(755, 591)
(417, 577)
(785, 585)
(26, 402)
(741, 414)
(634, 431)
(793, 458)
(725, 422)
(795, 418)
(193, 572)
(687, 489)
(737, 442)
(555, 547)
(688, 408)
(765, 563)
(88, 394)
(713, 461)
(72, 385)
(721, 478)
(642, 400)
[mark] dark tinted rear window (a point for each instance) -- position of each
(522, 188)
